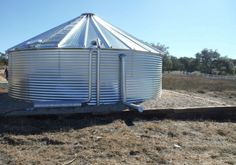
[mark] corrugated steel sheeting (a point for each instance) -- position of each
(81, 32)
(63, 74)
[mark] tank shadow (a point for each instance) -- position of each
(54, 123)
(8, 104)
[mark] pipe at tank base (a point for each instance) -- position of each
(55, 104)
(133, 106)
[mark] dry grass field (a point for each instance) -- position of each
(199, 84)
(224, 89)
(118, 139)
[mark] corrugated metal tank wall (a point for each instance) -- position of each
(62, 74)
(143, 76)
(49, 75)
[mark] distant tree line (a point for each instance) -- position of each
(207, 61)
(3, 59)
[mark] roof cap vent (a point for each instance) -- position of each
(87, 14)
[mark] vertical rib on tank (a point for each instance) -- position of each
(80, 61)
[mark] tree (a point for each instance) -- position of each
(161, 47)
(225, 65)
(205, 60)
(166, 59)
(167, 63)
(187, 63)
(176, 64)
(3, 59)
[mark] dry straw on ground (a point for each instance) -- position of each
(113, 142)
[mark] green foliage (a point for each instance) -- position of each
(176, 64)
(3, 59)
(161, 47)
(188, 64)
(167, 62)
(225, 65)
(207, 61)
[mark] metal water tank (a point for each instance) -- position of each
(85, 60)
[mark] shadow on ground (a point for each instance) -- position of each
(53, 123)
(10, 104)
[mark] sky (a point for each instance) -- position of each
(185, 26)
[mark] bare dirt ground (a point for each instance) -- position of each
(181, 98)
(2, 79)
(110, 140)
(119, 139)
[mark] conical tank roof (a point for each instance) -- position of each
(85, 31)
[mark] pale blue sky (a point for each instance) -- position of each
(186, 26)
